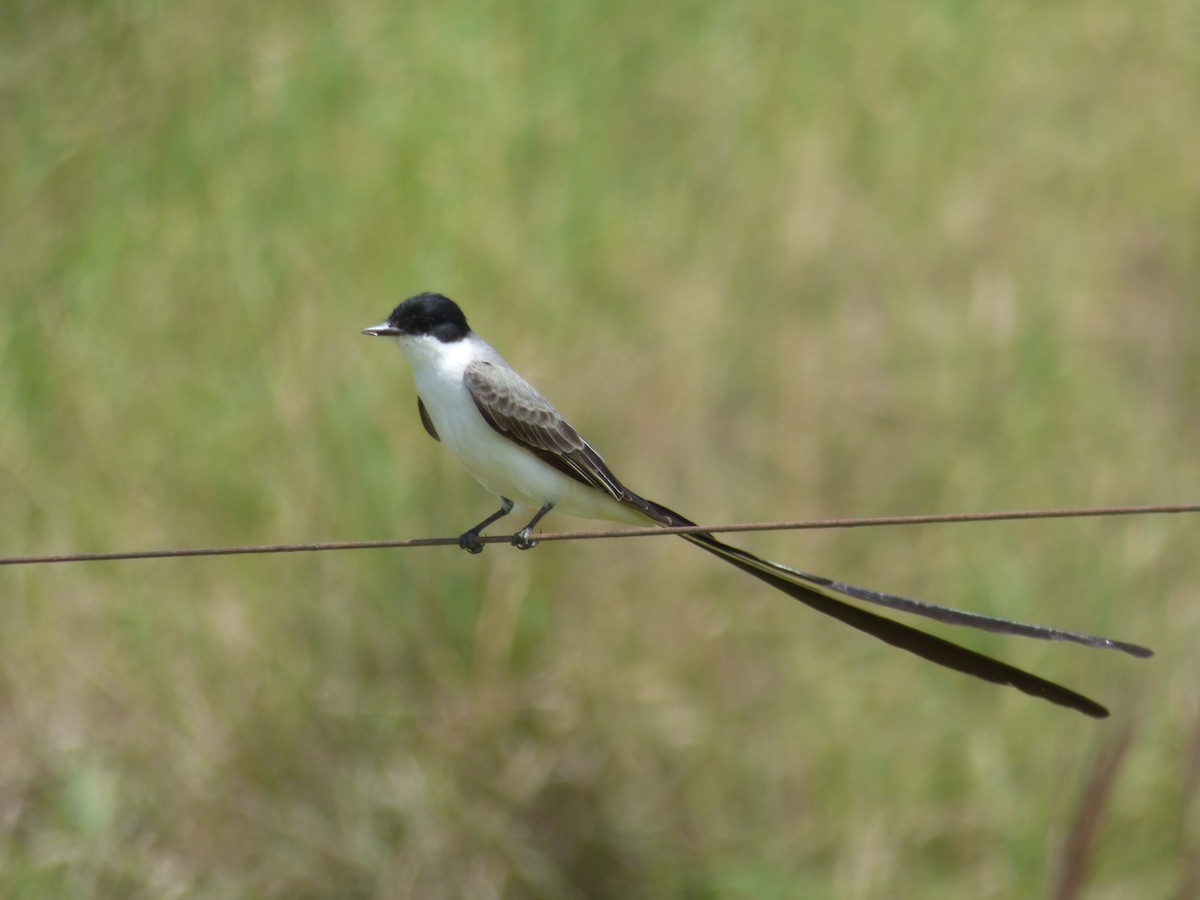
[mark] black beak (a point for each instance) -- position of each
(383, 329)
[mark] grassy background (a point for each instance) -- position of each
(858, 259)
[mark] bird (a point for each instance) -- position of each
(519, 447)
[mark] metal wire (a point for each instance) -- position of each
(810, 524)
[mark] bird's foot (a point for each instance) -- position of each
(469, 541)
(523, 539)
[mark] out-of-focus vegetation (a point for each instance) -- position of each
(820, 259)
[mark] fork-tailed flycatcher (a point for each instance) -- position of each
(520, 448)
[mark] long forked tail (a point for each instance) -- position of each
(817, 592)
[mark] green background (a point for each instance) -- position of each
(777, 261)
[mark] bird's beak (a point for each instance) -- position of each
(383, 329)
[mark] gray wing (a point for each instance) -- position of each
(518, 412)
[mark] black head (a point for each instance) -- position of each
(431, 314)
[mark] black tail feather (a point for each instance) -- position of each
(814, 591)
(927, 646)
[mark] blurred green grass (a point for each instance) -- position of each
(854, 258)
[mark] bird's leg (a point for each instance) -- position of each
(469, 540)
(521, 540)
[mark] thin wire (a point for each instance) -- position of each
(802, 525)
